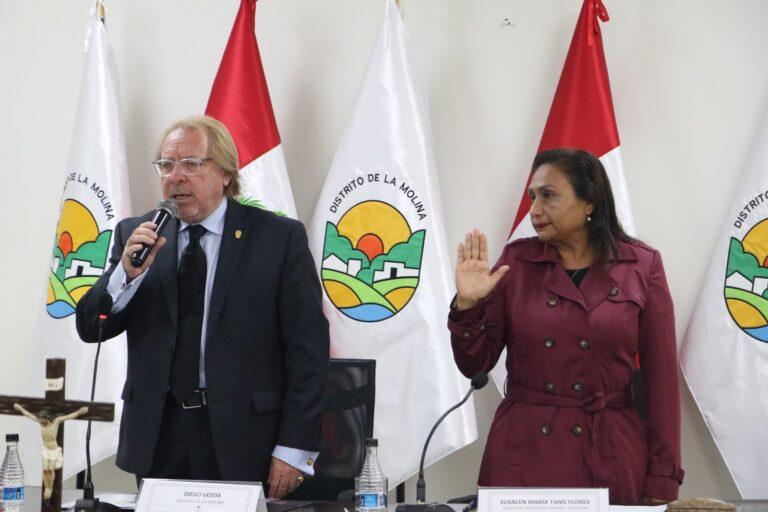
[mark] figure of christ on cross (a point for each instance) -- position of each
(53, 457)
(51, 412)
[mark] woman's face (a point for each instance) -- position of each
(556, 213)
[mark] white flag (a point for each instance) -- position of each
(378, 236)
(95, 198)
(724, 354)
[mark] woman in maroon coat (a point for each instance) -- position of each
(576, 308)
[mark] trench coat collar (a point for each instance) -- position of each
(597, 285)
(536, 251)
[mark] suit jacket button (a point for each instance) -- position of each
(552, 301)
(578, 387)
(161, 395)
(614, 291)
(549, 343)
(584, 345)
(549, 387)
(546, 429)
(170, 347)
(577, 430)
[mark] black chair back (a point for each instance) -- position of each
(347, 423)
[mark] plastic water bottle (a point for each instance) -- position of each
(13, 476)
(371, 485)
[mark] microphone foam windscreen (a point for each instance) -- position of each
(479, 380)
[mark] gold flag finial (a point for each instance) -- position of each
(100, 10)
(397, 3)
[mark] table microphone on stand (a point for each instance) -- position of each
(479, 380)
(89, 503)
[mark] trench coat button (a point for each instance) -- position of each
(584, 345)
(614, 292)
(578, 387)
(552, 301)
(549, 387)
(161, 395)
(549, 343)
(546, 429)
(467, 334)
(577, 430)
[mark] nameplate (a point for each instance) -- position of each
(531, 499)
(160, 495)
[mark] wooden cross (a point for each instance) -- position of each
(54, 404)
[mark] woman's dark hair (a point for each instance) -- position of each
(589, 180)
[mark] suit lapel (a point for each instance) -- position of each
(167, 265)
(232, 243)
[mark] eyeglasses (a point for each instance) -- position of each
(189, 166)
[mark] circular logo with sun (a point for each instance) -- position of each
(79, 258)
(746, 281)
(371, 261)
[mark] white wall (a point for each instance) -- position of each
(689, 82)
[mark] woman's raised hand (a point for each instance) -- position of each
(473, 278)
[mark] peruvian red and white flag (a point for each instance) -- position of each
(581, 117)
(240, 100)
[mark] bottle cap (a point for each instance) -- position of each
(371, 442)
(9, 438)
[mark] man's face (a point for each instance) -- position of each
(197, 196)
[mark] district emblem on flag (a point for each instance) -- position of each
(371, 254)
(746, 281)
(80, 250)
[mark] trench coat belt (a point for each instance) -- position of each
(594, 405)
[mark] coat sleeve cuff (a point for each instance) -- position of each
(663, 481)
(466, 316)
(467, 323)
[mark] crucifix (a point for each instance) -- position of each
(51, 412)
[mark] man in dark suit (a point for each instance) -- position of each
(227, 341)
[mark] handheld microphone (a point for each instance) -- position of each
(479, 380)
(166, 209)
(89, 503)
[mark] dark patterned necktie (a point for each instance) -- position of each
(185, 372)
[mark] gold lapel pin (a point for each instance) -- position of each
(238, 233)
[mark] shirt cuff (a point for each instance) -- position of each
(120, 289)
(303, 460)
